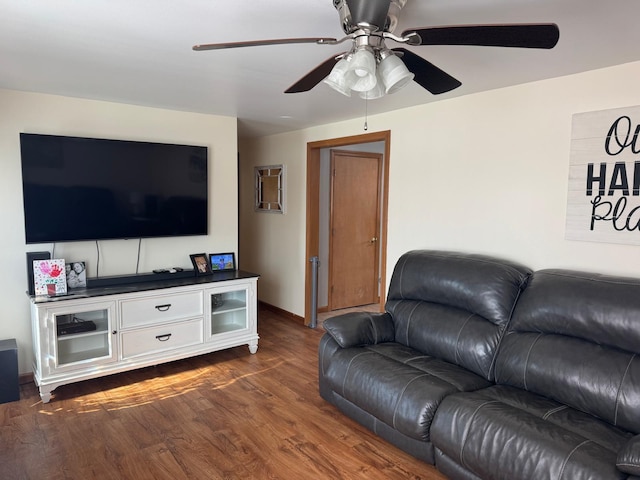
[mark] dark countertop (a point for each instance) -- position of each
(98, 287)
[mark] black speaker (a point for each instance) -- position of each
(9, 381)
(31, 256)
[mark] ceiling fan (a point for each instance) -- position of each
(370, 68)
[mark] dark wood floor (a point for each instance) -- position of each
(226, 415)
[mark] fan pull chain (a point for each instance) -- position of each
(366, 112)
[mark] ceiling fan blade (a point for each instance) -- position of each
(315, 76)
(427, 75)
(544, 35)
(258, 43)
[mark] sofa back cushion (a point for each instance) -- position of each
(575, 337)
(454, 306)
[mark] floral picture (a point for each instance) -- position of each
(49, 272)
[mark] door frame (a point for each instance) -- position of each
(313, 207)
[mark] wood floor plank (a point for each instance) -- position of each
(225, 415)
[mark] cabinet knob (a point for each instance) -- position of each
(163, 308)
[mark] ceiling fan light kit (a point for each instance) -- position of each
(375, 92)
(373, 70)
(393, 72)
(361, 74)
(337, 78)
(372, 74)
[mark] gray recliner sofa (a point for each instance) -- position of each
(491, 371)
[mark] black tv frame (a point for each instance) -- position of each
(129, 189)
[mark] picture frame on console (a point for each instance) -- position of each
(76, 274)
(200, 263)
(222, 262)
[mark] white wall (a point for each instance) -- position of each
(272, 245)
(482, 173)
(36, 113)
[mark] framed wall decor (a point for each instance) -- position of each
(200, 263)
(222, 261)
(603, 198)
(269, 189)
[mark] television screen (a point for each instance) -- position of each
(95, 189)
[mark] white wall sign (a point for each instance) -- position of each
(603, 203)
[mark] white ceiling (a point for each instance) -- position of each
(139, 52)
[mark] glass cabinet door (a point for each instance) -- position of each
(228, 310)
(82, 333)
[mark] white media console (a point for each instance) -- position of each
(139, 324)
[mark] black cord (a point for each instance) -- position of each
(138, 262)
(98, 261)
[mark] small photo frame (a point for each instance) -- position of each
(221, 262)
(76, 274)
(200, 263)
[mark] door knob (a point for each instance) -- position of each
(373, 240)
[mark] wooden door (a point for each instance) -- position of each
(354, 229)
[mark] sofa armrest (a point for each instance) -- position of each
(360, 328)
(629, 457)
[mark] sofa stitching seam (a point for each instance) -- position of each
(346, 374)
(324, 347)
(409, 322)
(615, 412)
(553, 411)
(505, 328)
(375, 330)
(401, 277)
(464, 324)
(459, 387)
(465, 435)
(417, 357)
(526, 363)
(566, 460)
(395, 410)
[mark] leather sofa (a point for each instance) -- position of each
(491, 371)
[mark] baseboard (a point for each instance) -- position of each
(280, 311)
(24, 378)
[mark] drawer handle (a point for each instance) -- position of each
(163, 308)
(163, 338)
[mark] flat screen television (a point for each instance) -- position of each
(77, 189)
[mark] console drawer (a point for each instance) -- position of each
(162, 338)
(161, 308)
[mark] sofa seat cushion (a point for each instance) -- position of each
(398, 385)
(502, 432)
